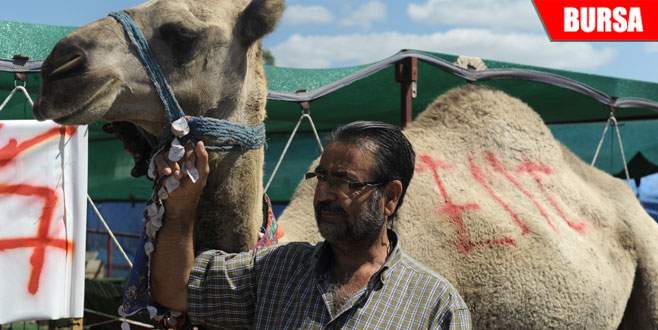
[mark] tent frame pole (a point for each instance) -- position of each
(109, 231)
(306, 113)
(406, 73)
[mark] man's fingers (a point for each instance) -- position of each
(189, 152)
(188, 160)
(167, 167)
(194, 163)
(162, 165)
(201, 159)
(176, 168)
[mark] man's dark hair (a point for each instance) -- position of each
(394, 156)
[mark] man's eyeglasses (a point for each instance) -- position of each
(342, 184)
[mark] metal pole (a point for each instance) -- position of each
(108, 243)
(406, 73)
(109, 231)
(122, 319)
(306, 110)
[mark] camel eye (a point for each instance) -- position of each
(181, 40)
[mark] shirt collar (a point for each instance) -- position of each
(322, 256)
(393, 258)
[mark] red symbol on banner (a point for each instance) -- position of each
(12, 149)
(41, 240)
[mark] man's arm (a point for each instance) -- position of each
(173, 257)
(460, 319)
(453, 314)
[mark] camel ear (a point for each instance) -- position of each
(258, 19)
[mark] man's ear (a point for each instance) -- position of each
(258, 19)
(392, 193)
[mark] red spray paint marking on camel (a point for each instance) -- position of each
(534, 169)
(465, 244)
(41, 240)
(455, 211)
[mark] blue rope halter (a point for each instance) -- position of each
(220, 133)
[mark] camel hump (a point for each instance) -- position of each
(478, 115)
(496, 196)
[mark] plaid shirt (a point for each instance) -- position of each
(286, 287)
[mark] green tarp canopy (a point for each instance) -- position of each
(574, 105)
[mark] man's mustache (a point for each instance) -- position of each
(330, 208)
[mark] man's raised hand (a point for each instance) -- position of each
(186, 178)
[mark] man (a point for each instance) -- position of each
(357, 278)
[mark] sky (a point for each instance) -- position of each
(336, 33)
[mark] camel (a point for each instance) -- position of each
(211, 53)
(530, 235)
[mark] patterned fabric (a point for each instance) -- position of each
(286, 287)
(270, 232)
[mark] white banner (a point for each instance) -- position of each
(43, 189)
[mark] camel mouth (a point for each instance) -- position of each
(70, 119)
(135, 142)
(79, 112)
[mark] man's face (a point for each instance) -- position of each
(345, 214)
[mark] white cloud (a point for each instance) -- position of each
(492, 14)
(365, 15)
(651, 47)
(524, 48)
(300, 15)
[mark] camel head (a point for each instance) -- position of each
(208, 49)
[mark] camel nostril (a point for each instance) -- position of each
(65, 61)
(75, 64)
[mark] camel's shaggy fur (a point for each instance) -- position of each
(210, 52)
(531, 236)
